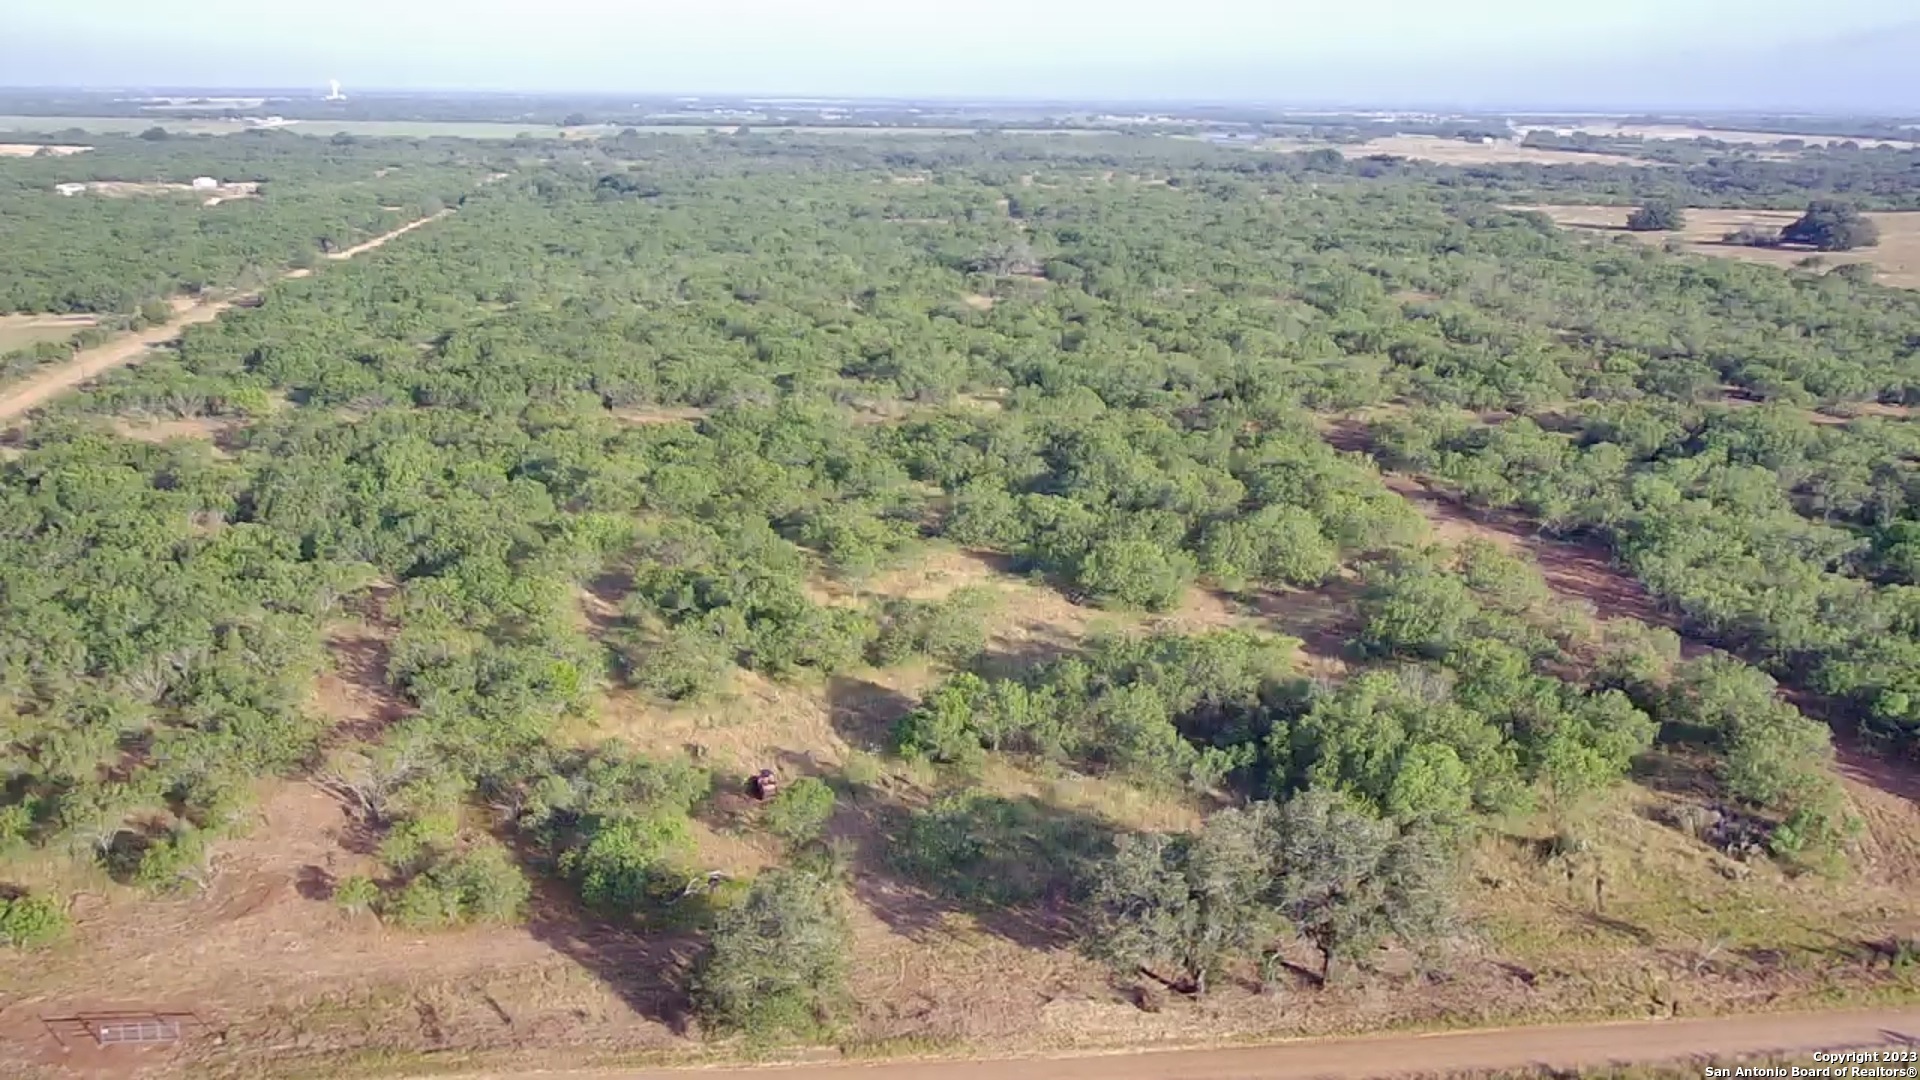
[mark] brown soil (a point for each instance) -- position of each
(658, 414)
(1558, 1050)
(1581, 572)
(1897, 257)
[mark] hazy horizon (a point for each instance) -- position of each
(1748, 55)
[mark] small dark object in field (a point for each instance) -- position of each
(762, 785)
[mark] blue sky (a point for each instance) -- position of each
(1704, 53)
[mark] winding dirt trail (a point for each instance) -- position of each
(43, 386)
(1789, 1036)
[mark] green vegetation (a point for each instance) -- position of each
(649, 415)
(28, 921)
(777, 964)
(1657, 215)
(1831, 226)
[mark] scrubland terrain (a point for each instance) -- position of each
(1111, 549)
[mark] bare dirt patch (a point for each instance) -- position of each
(31, 149)
(658, 414)
(978, 302)
(1897, 258)
(1580, 572)
(1441, 151)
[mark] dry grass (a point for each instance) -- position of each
(208, 429)
(21, 331)
(1897, 257)
(15, 149)
(1441, 151)
(658, 414)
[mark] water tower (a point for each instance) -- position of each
(333, 91)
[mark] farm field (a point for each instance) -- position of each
(1676, 131)
(1444, 151)
(1896, 258)
(1103, 547)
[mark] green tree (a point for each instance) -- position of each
(800, 810)
(776, 962)
(1657, 215)
(1180, 908)
(1137, 573)
(356, 894)
(1346, 880)
(1832, 226)
(28, 921)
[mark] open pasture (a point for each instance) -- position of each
(1897, 257)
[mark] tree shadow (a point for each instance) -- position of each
(1639, 935)
(1326, 619)
(1682, 775)
(646, 971)
(314, 883)
(1018, 662)
(1017, 866)
(864, 712)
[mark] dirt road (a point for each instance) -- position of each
(43, 386)
(1791, 1036)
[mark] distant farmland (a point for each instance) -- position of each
(1442, 151)
(1687, 133)
(129, 125)
(1897, 258)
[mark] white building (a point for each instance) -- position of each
(69, 190)
(205, 183)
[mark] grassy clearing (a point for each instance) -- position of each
(22, 331)
(1442, 151)
(1897, 258)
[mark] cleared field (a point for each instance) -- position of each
(1457, 152)
(1681, 131)
(20, 331)
(30, 149)
(1897, 258)
(128, 125)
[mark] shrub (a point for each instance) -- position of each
(800, 811)
(1137, 573)
(1658, 215)
(624, 865)
(356, 894)
(1832, 226)
(776, 963)
(29, 922)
